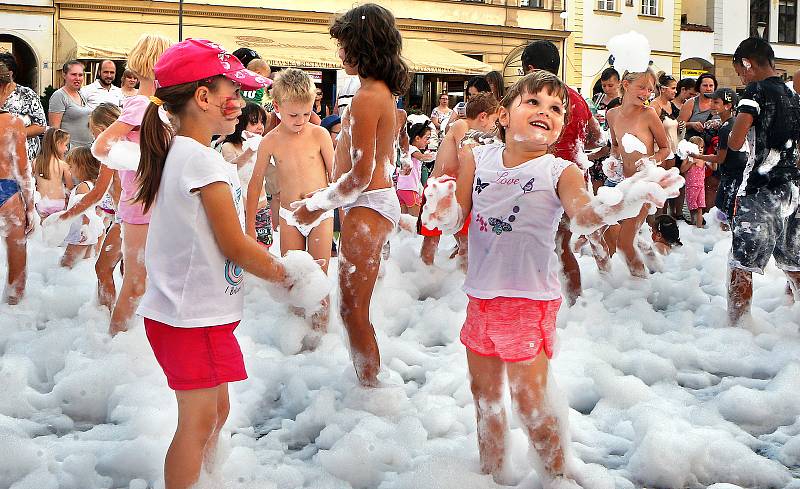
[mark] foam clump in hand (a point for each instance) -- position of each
(441, 209)
(306, 284)
(651, 184)
(251, 141)
(686, 149)
(631, 52)
(55, 229)
(123, 155)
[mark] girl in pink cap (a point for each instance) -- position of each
(516, 193)
(197, 250)
(141, 60)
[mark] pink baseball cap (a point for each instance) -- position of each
(197, 59)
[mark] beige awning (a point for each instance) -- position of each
(83, 39)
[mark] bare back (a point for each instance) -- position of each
(10, 126)
(53, 188)
(372, 96)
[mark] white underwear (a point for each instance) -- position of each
(305, 230)
(384, 201)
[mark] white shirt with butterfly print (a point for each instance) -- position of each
(512, 232)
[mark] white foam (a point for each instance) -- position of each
(632, 144)
(441, 210)
(686, 148)
(123, 155)
(631, 52)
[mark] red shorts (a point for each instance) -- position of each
(196, 358)
(423, 231)
(510, 328)
(409, 198)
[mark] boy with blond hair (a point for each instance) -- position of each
(302, 155)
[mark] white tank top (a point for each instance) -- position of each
(515, 215)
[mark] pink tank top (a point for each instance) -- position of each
(132, 113)
(515, 215)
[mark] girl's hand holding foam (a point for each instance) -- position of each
(251, 141)
(441, 208)
(652, 184)
(305, 284)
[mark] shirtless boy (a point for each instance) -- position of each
(303, 159)
(481, 115)
(17, 215)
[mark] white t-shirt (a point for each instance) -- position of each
(515, 215)
(95, 95)
(190, 284)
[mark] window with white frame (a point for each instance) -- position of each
(606, 5)
(650, 7)
(531, 3)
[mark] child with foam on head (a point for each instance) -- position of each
(369, 46)
(481, 117)
(86, 229)
(52, 172)
(303, 157)
(766, 222)
(695, 170)
(17, 213)
(117, 148)
(409, 179)
(197, 250)
(636, 130)
(512, 273)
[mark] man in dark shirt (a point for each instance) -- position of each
(766, 222)
(580, 132)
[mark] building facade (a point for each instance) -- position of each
(26, 30)
(445, 41)
(593, 22)
(712, 29)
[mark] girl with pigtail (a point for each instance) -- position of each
(135, 220)
(197, 250)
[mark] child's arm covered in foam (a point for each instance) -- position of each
(449, 200)
(345, 190)
(652, 184)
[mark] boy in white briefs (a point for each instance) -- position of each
(302, 154)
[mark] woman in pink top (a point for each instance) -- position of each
(135, 221)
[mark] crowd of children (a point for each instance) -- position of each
(186, 184)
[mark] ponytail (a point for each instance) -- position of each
(156, 136)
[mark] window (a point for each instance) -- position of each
(606, 5)
(531, 3)
(787, 21)
(650, 7)
(759, 14)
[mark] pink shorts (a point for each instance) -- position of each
(696, 197)
(196, 358)
(510, 328)
(409, 198)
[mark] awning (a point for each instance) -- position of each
(83, 39)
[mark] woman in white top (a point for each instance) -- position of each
(442, 112)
